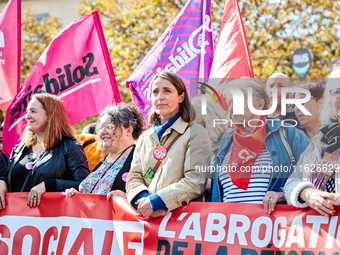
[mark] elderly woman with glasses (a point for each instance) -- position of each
(252, 158)
(311, 123)
(314, 180)
(118, 128)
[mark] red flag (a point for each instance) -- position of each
(232, 58)
(10, 52)
(76, 67)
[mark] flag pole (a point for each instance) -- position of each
(201, 72)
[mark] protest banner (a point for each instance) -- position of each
(76, 67)
(10, 52)
(186, 48)
(89, 224)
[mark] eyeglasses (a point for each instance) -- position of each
(109, 126)
(335, 92)
(316, 99)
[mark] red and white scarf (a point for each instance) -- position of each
(244, 152)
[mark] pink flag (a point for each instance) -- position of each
(178, 50)
(76, 67)
(232, 57)
(10, 52)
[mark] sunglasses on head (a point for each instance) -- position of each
(335, 92)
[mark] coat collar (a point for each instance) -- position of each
(179, 126)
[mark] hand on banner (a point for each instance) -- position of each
(318, 200)
(336, 200)
(34, 197)
(271, 199)
(3, 191)
(116, 193)
(159, 213)
(144, 207)
(70, 192)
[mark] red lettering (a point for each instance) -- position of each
(62, 240)
(107, 245)
(53, 231)
(85, 237)
(19, 237)
(5, 233)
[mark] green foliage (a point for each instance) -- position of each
(275, 29)
(132, 27)
(35, 37)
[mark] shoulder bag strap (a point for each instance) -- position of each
(168, 148)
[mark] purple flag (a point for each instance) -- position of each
(178, 50)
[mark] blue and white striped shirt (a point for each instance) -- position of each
(258, 184)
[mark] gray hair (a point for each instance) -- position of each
(214, 111)
(124, 115)
(259, 90)
(327, 113)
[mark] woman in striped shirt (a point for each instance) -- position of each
(252, 163)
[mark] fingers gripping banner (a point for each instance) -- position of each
(89, 224)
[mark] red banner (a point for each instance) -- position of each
(88, 224)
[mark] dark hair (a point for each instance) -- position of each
(125, 115)
(316, 88)
(89, 129)
(186, 110)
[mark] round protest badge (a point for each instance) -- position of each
(29, 165)
(159, 152)
(124, 176)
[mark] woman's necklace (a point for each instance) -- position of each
(103, 174)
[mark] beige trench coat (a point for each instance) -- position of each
(179, 178)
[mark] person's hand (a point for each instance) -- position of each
(3, 191)
(318, 200)
(144, 207)
(208, 185)
(159, 213)
(335, 200)
(70, 192)
(271, 199)
(116, 193)
(34, 197)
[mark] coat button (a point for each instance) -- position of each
(184, 203)
(274, 153)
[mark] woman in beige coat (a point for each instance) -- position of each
(168, 169)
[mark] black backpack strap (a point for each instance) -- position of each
(88, 142)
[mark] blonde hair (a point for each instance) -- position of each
(259, 90)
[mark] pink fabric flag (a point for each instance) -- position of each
(76, 67)
(10, 52)
(232, 58)
(178, 50)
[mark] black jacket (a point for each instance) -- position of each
(62, 167)
(120, 180)
(3, 168)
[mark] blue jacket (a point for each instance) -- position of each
(297, 140)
